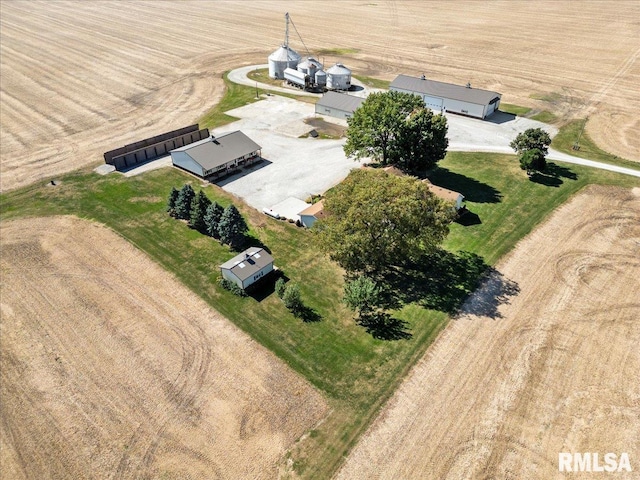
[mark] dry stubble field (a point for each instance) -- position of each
(112, 369)
(79, 78)
(556, 370)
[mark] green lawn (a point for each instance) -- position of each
(373, 82)
(356, 372)
(514, 109)
(567, 137)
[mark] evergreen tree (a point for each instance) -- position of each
(184, 201)
(171, 204)
(199, 211)
(291, 298)
(212, 219)
(232, 227)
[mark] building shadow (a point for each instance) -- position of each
(266, 286)
(239, 173)
(500, 117)
(355, 88)
(468, 218)
(472, 189)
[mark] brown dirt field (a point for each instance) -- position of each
(555, 369)
(79, 78)
(112, 369)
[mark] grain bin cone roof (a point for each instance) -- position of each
(310, 62)
(284, 54)
(339, 69)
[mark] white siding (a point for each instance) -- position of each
(228, 275)
(434, 103)
(333, 112)
(465, 108)
(183, 160)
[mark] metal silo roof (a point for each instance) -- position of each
(339, 69)
(284, 54)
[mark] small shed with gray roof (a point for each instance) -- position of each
(447, 97)
(215, 156)
(248, 267)
(338, 105)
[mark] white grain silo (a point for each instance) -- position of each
(321, 78)
(284, 57)
(338, 77)
(310, 66)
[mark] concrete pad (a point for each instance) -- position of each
(104, 169)
(290, 208)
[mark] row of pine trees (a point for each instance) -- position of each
(207, 217)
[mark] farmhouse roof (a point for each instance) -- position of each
(315, 210)
(445, 90)
(248, 263)
(340, 101)
(442, 192)
(212, 152)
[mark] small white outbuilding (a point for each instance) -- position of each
(248, 267)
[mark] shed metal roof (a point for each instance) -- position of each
(315, 210)
(444, 90)
(248, 263)
(340, 101)
(442, 192)
(212, 152)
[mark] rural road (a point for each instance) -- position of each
(465, 134)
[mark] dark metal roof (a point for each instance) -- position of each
(340, 101)
(444, 90)
(248, 263)
(212, 152)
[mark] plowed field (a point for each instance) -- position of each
(79, 78)
(555, 370)
(112, 369)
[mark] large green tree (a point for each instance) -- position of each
(532, 147)
(362, 295)
(183, 202)
(212, 219)
(375, 220)
(396, 128)
(171, 202)
(199, 211)
(232, 227)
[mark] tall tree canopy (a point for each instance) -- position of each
(232, 227)
(198, 212)
(183, 202)
(532, 147)
(212, 219)
(396, 128)
(376, 220)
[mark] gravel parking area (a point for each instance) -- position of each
(293, 167)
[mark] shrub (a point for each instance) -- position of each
(232, 287)
(290, 220)
(298, 223)
(280, 287)
(291, 298)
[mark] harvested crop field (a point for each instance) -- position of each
(509, 386)
(79, 78)
(112, 369)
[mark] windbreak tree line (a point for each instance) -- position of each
(395, 128)
(207, 217)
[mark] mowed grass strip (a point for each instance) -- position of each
(357, 372)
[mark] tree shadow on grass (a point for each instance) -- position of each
(308, 315)
(383, 326)
(441, 281)
(265, 286)
(553, 175)
(496, 290)
(468, 218)
(472, 189)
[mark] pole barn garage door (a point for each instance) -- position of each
(434, 103)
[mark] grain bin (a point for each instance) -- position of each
(321, 78)
(283, 58)
(310, 66)
(338, 77)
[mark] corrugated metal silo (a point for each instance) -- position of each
(321, 78)
(338, 77)
(310, 66)
(283, 58)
